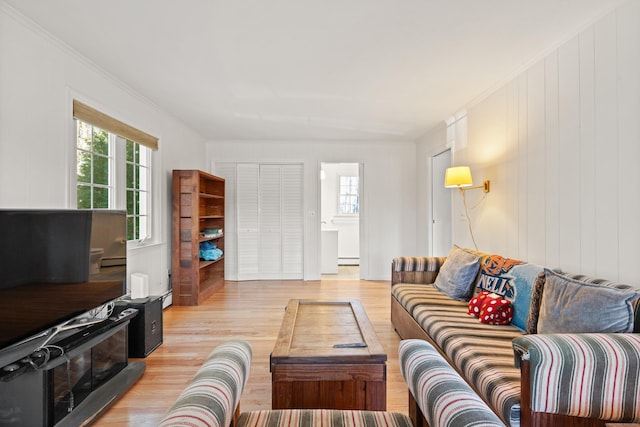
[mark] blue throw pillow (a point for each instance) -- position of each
(457, 274)
(513, 280)
(580, 306)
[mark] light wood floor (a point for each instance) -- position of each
(251, 311)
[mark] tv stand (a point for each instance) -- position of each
(52, 388)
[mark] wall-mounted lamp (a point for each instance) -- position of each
(460, 177)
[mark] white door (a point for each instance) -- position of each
(248, 220)
(269, 220)
(440, 205)
(292, 222)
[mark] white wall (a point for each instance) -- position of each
(560, 144)
(39, 77)
(388, 193)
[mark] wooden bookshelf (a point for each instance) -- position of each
(198, 205)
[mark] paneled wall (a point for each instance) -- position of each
(561, 146)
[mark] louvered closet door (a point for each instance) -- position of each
(270, 253)
(268, 230)
(281, 222)
(248, 220)
(292, 222)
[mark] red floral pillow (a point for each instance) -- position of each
(475, 304)
(496, 310)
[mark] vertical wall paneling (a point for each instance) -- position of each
(552, 176)
(628, 139)
(569, 150)
(523, 169)
(572, 145)
(513, 174)
(536, 166)
(587, 159)
(606, 143)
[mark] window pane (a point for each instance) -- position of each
(84, 135)
(131, 183)
(142, 204)
(130, 145)
(131, 228)
(100, 170)
(100, 141)
(142, 226)
(142, 179)
(136, 198)
(84, 197)
(348, 200)
(100, 198)
(136, 151)
(84, 166)
(130, 203)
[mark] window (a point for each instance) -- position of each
(348, 203)
(113, 171)
(94, 163)
(137, 191)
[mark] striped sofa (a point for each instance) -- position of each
(554, 379)
(212, 397)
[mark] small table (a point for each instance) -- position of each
(327, 355)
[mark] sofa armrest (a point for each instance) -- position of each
(443, 397)
(582, 375)
(212, 396)
(415, 269)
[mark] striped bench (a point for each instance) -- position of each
(444, 398)
(212, 397)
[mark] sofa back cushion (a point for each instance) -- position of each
(581, 304)
(457, 274)
(510, 278)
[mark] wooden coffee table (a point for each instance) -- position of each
(327, 355)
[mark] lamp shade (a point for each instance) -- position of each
(458, 176)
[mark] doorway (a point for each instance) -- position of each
(340, 210)
(440, 205)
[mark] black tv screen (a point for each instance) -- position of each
(56, 265)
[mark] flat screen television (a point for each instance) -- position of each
(56, 266)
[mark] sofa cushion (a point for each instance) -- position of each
(578, 306)
(457, 274)
(513, 280)
(482, 353)
(322, 417)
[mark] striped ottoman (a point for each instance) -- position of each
(322, 417)
(444, 398)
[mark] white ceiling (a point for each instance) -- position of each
(312, 69)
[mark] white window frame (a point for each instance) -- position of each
(117, 181)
